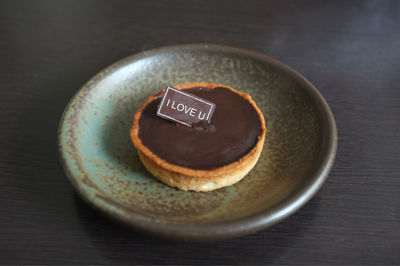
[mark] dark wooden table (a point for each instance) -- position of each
(349, 49)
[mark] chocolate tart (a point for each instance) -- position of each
(206, 156)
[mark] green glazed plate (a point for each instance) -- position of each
(104, 167)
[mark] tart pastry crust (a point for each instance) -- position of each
(186, 178)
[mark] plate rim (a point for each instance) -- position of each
(224, 229)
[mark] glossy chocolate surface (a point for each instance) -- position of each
(234, 130)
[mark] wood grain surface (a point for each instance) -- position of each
(350, 50)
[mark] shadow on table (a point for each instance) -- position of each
(123, 246)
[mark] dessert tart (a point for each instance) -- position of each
(205, 156)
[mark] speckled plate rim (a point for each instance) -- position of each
(226, 229)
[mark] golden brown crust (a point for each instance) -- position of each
(191, 179)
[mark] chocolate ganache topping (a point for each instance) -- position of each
(234, 130)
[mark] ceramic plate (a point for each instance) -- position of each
(103, 166)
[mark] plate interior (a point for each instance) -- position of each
(102, 161)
